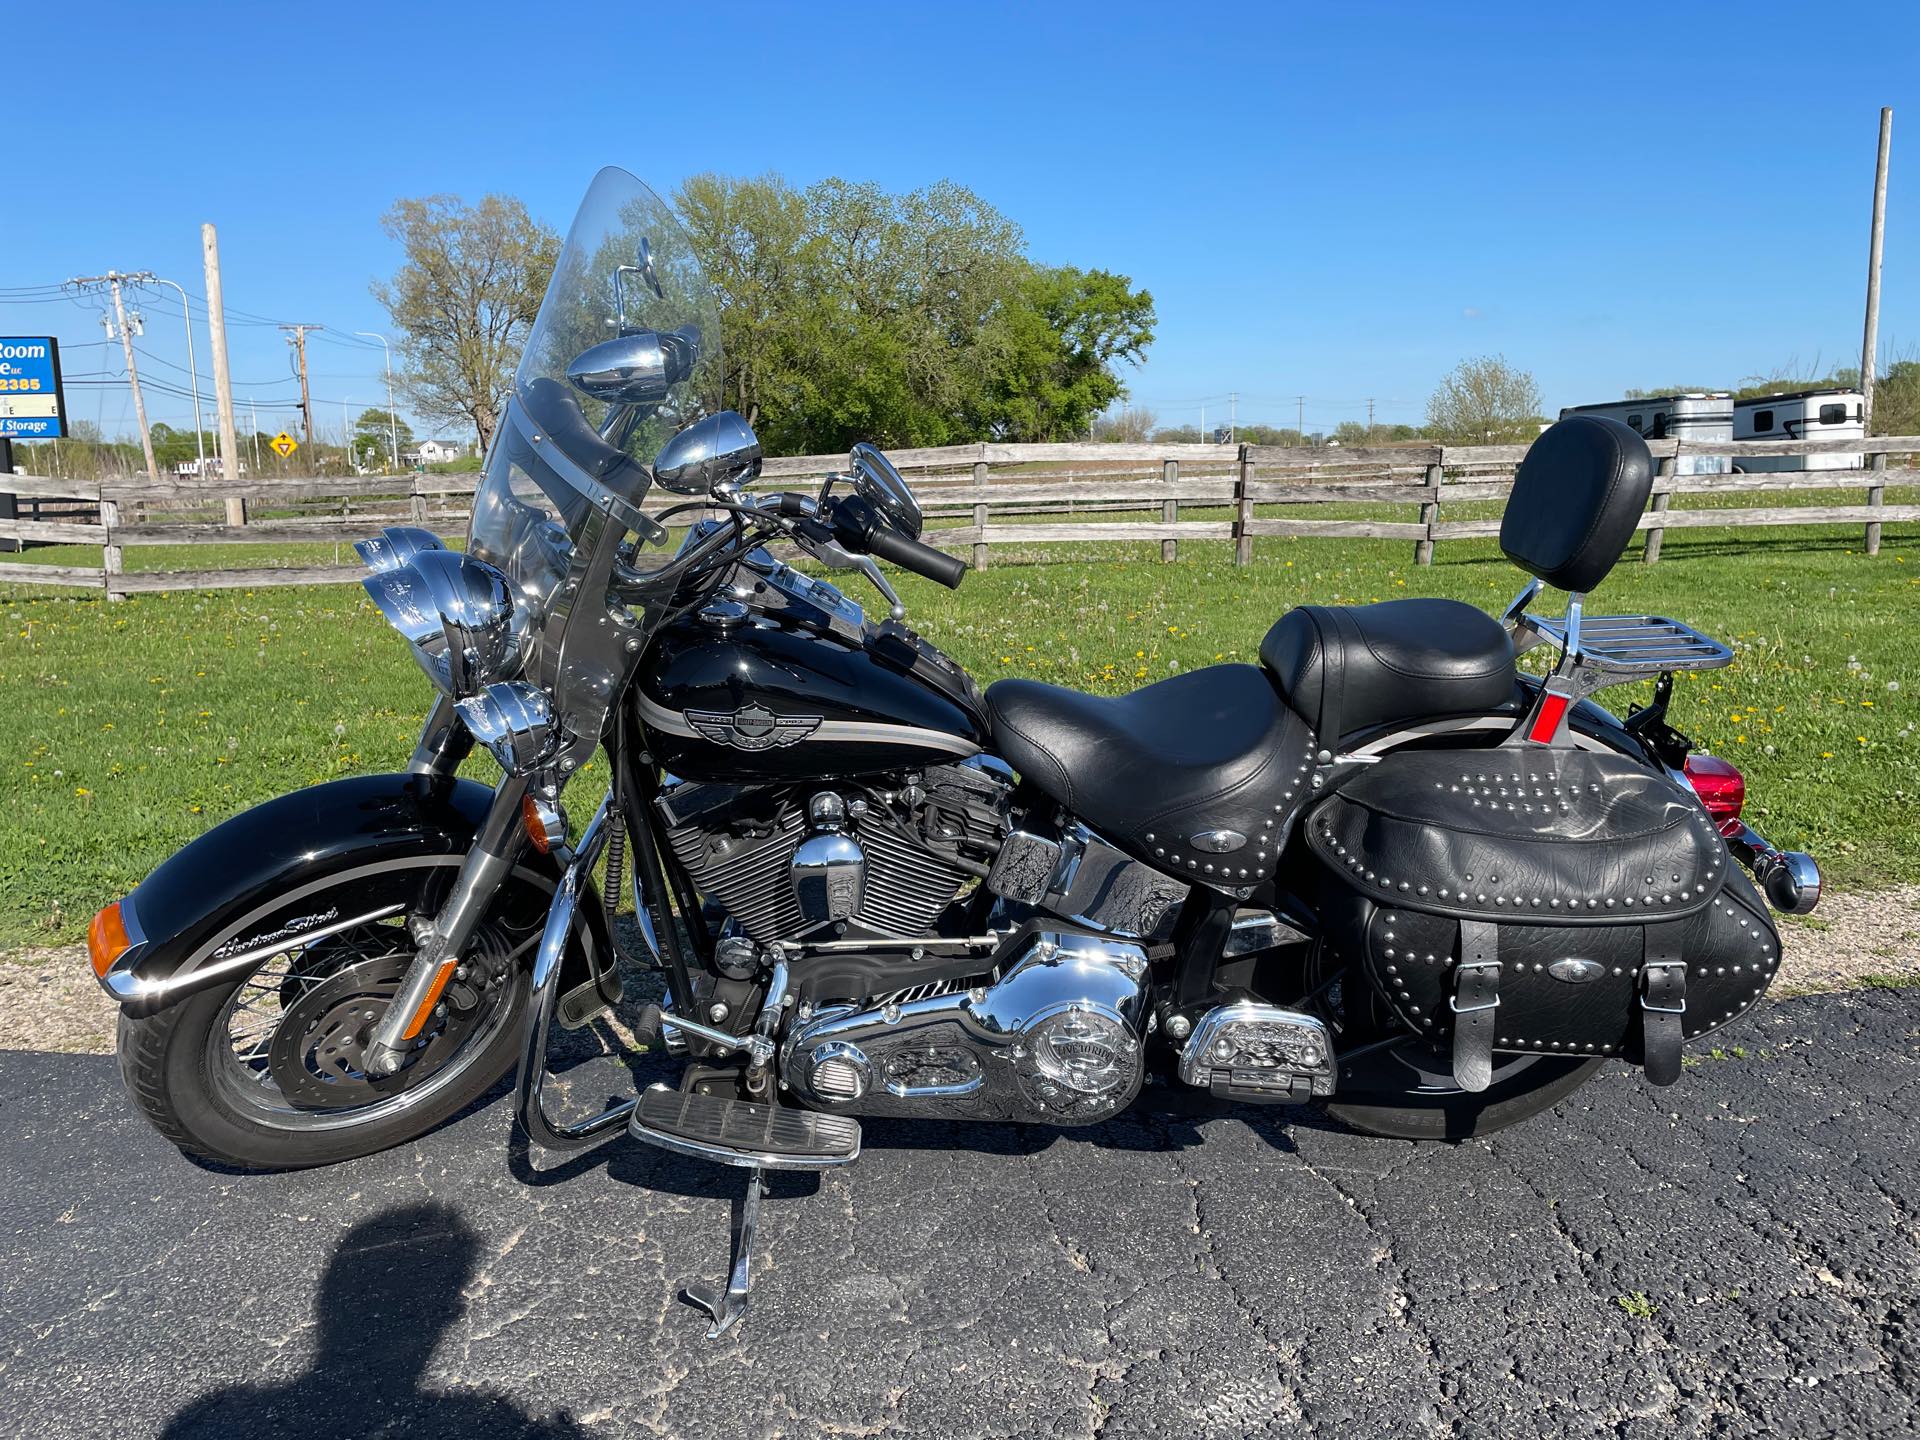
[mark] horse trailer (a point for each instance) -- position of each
(1801, 415)
(1700, 418)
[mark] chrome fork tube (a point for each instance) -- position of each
(441, 939)
(531, 1081)
(444, 740)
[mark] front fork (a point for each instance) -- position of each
(444, 743)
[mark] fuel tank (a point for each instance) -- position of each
(786, 680)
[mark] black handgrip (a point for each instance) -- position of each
(908, 554)
(858, 525)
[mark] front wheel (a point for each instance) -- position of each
(263, 1071)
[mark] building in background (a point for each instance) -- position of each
(436, 452)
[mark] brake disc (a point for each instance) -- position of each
(316, 1054)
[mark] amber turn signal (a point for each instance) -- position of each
(107, 939)
(546, 824)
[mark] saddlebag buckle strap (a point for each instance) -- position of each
(1663, 1005)
(1476, 996)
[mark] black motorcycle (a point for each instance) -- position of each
(1382, 870)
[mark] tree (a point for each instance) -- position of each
(1484, 401)
(373, 436)
(463, 300)
(1129, 425)
(1896, 399)
(913, 319)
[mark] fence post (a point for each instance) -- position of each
(1663, 470)
(416, 500)
(980, 517)
(1170, 512)
(1876, 497)
(110, 553)
(1429, 515)
(1242, 510)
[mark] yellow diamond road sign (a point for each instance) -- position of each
(283, 444)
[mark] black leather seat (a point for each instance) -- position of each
(1349, 668)
(1201, 773)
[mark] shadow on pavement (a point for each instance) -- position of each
(392, 1289)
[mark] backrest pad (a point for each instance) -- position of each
(1576, 500)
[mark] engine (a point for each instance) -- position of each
(839, 859)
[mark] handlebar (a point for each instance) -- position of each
(859, 526)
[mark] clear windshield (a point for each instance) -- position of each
(561, 454)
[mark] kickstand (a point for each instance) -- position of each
(729, 1306)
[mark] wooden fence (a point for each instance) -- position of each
(976, 497)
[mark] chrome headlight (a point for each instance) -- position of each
(395, 546)
(514, 721)
(458, 614)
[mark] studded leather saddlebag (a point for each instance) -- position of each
(1540, 900)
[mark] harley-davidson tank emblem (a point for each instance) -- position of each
(752, 727)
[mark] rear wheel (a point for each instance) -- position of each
(1397, 1084)
(264, 1071)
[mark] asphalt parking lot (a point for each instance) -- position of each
(1735, 1256)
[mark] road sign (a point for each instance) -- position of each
(31, 404)
(283, 444)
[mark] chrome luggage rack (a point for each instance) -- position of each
(1615, 648)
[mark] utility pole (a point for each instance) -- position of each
(1233, 414)
(1369, 419)
(1203, 422)
(393, 416)
(222, 377)
(1871, 340)
(147, 277)
(112, 280)
(299, 342)
(253, 423)
(1300, 416)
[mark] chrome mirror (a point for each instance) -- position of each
(880, 485)
(716, 452)
(648, 275)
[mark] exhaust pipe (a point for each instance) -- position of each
(1789, 878)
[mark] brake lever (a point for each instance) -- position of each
(819, 542)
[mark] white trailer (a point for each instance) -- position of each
(1801, 415)
(1701, 418)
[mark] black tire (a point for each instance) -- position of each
(169, 1061)
(1379, 1101)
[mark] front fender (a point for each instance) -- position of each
(387, 825)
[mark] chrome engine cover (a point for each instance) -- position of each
(1057, 1040)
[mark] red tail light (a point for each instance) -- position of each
(1721, 788)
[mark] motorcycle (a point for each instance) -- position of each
(1383, 871)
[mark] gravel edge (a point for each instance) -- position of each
(50, 1001)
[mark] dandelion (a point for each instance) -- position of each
(81, 790)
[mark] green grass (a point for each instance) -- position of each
(130, 728)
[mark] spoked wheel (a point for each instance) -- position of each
(265, 1070)
(1397, 1084)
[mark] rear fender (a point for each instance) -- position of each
(1593, 727)
(242, 884)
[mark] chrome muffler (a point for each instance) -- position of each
(1788, 878)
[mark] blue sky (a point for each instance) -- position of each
(1330, 201)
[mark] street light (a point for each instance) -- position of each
(393, 420)
(199, 445)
